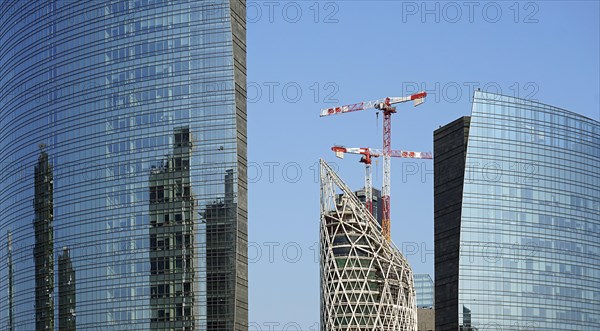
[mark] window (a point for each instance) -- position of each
(157, 194)
(182, 138)
(159, 265)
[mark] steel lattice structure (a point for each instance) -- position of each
(366, 283)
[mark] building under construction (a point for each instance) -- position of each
(362, 196)
(366, 283)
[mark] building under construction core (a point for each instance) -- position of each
(366, 283)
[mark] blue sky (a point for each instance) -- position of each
(307, 55)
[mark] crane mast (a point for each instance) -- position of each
(366, 159)
(385, 105)
(367, 155)
(387, 171)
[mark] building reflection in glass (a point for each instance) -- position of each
(10, 282)
(108, 108)
(66, 292)
(172, 228)
(467, 325)
(220, 258)
(43, 251)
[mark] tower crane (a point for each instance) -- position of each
(384, 105)
(368, 153)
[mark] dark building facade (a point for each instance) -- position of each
(107, 85)
(377, 207)
(517, 218)
(450, 150)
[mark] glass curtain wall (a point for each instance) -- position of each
(530, 254)
(102, 92)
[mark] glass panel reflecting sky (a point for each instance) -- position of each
(530, 254)
(108, 88)
(425, 290)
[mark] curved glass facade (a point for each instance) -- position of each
(530, 223)
(123, 201)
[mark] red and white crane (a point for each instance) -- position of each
(366, 159)
(384, 105)
(368, 153)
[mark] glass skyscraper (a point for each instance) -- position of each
(122, 126)
(424, 289)
(517, 218)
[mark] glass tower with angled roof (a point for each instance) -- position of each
(141, 107)
(517, 218)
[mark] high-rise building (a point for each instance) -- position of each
(425, 302)
(107, 86)
(376, 203)
(517, 218)
(450, 150)
(425, 289)
(366, 283)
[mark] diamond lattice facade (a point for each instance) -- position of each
(366, 283)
